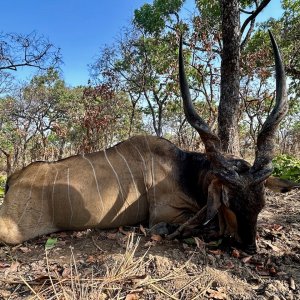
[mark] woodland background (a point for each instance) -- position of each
(133, 87)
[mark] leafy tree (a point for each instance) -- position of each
(286, 29)
(30, 115)
(256, 73)
(48, 120)
(144, 67)
(18, 50)
(105, 119)
(221, 16)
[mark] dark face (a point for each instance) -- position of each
(237, 181)
(240, 209)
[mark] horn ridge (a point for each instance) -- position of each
(265, 140)
(210, 140)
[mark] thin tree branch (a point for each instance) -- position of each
(246, 12)
(262, 5)
(252, 23)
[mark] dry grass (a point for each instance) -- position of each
(127, 276)
(168, 270)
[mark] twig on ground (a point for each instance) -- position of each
(187, 223)
(97, 246)
(32, 290)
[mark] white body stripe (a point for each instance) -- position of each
(52, 198)
(29, 197)
(42, 205)
(69, 198)
(119, 183)
(97, 184)
(145, 168)
(132, 177)
(153, 179)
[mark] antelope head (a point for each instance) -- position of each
(237, 190)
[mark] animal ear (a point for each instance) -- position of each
(213, 200)
(280, 185)
(225, 197)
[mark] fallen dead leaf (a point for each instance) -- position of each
(112, 236)
(150, 243)
(62, 234)
(121, 229)
(91, 259)
(246, 259)
(215, 252)
(229, 265)
(200, 244)
(262, 271)
(14, 266)
(235, 253)
(272, 271)
(66, 273)
(138, 290)
(62, 243)
(273, 247)
(185, 246)
(5, 294)
(281, 273)
(257, 263)
(156, 238)
(143, 230)
(25, 249)
(132, 297)
(78, 234)
(215, 244)
(276, 227)
(213, 294)
(4, 265)
(122, 240)
(292, 284)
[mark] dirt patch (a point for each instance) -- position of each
(122, 265)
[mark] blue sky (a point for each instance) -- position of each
(79, 27)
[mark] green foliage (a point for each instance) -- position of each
(152, 17)
(51, 242)
(287, 167)
(286, 31)
(2, 185)
(210, 9)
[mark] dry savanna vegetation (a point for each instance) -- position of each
(133, 89)
(130, 263)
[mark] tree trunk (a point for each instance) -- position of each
(230, 78)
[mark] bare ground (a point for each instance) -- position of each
(122, 265)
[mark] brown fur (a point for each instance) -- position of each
(135, 181)
(124, 185)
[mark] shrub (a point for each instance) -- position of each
(2, 185)
(287, 167)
